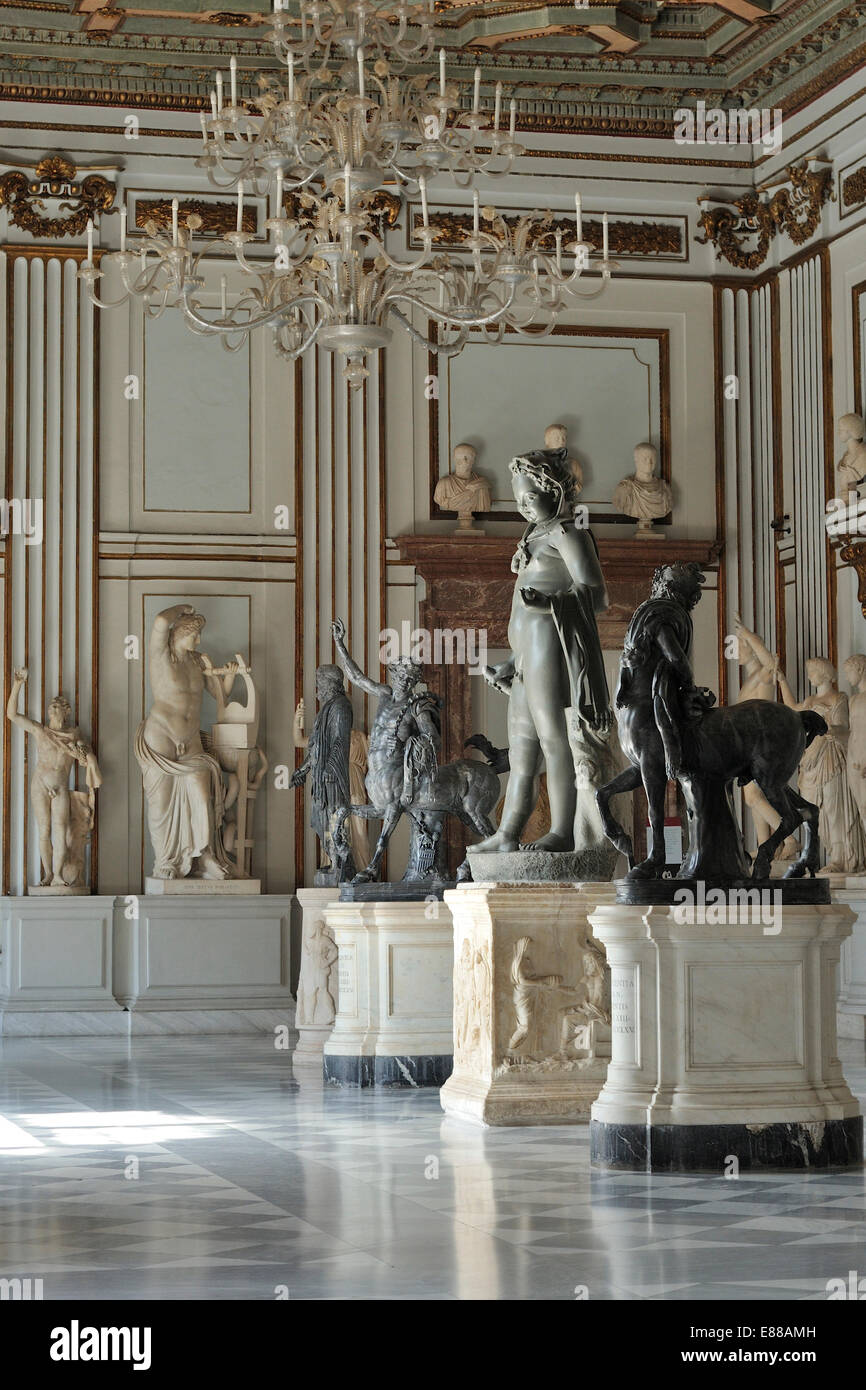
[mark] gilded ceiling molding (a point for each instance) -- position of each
(452, 229)
(214, 218)
(54, 177)
(742, 229)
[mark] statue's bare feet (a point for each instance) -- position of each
(500, 843)
(553, 843)
(58, 882)
(364, 876)
(210, 867)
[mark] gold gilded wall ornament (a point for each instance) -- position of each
(742, 230)
(854, 188)
(740, 233)
(215, 218)
(452, 229)
(54, 177)
(381, 203)
(796, 209)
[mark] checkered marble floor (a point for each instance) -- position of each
(184, 1168)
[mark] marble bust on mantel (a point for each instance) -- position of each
(464, 491)
(852, 465)
(644, 496)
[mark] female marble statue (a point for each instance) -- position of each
(556, 663)
(643, 495)
(855, 674)
(759, 670)
(852, 465)
(64, 817)
(183, 784)
(464, 491)
(823, 777)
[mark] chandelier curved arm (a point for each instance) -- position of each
(443, 349)
(193, 317)
(441, 316)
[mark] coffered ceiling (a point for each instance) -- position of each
(603, 67)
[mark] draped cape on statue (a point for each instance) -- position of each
(184, 820)
(328, 752)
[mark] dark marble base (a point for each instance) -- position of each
(387, 1071)
(709, 1148)
(394, 892)
(792, 891)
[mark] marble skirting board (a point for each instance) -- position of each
(95, 965)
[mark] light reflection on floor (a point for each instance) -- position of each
(187, 1168)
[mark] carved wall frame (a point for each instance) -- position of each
(662, 337)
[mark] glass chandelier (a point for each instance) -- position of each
(341, 127)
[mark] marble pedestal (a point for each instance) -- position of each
(529, 1046)
(318, 988)
(204, 962)
(724, 1041)
(394, 1020)
(851, 1005)
(56, 965)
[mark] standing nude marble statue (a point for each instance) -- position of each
(464, 491)
(555, 675)
(643, 495)
(852, 465)
(758, 682)
(183, 784)
(64, 816)
(823, 777)
(556, 437)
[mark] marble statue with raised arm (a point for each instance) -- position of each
(852, 465)
(464, 491)
(823, 776)
(64, 816)
(183, 784)
(555, 673)
(644, 495)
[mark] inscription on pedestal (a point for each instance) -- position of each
(348, 982)
(623, 994)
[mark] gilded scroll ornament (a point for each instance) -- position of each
(54, 177)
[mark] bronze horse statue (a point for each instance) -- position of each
(668, 728)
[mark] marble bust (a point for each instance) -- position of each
(556, 437)
(644, 495)
(852, 465)
(464, 491)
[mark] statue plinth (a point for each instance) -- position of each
(594, 864)
(724, 1040)
(78, 890)
(532, 1020)
(200, 887)
(705, 893)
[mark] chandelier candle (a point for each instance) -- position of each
(233, 70)
(240, 218)
(174, 211)
(123, 228)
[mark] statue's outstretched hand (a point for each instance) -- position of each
(298, 776)
(21, 674)
(500, 677)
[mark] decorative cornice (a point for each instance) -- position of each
(54, 177)
(741, 230)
